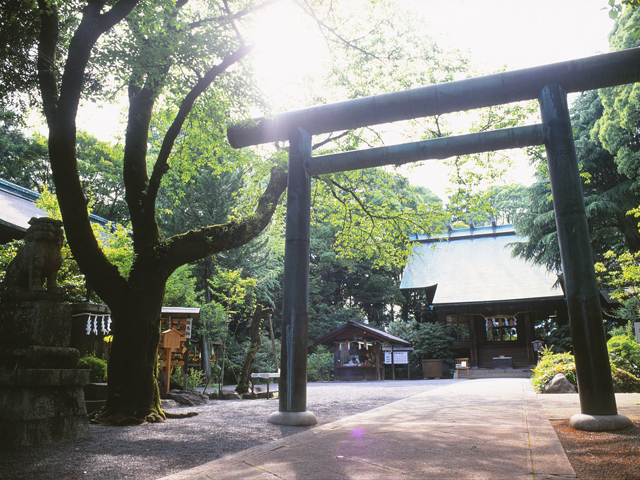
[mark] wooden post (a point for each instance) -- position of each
(167, 360)
(393, 365)
(529, 338)
(170, 342)
(185, 372)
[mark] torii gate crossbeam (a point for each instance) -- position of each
(547, 83)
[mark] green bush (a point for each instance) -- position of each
(433, 340)
(321, 358)
(195, 379)
(176, 381)
(550, 365)
(624, 382)
(97, 366)
(624, 352)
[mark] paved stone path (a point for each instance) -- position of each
(490, 428)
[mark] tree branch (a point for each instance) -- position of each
(161, 165)
(198, 244)
(233, 23)
(47, 43)
(329, 139)
(309, 11)
(235, 16)
(61, 114)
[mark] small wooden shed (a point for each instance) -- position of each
(358, 352)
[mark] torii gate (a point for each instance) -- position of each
(549, 84)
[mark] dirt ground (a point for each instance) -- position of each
(602, 455)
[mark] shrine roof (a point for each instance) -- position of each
(476, 266)
(360, 330)
(188, 312)
(17, 206)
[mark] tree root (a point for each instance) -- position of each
(180, 415)
(119, 420)
(116, 419)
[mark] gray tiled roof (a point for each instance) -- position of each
(17, 206)
(476, 266)
(16, 210)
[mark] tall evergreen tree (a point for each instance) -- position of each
(608, 196)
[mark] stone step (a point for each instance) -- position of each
(498, 373)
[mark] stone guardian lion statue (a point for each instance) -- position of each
(38, 260)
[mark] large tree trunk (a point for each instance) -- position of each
(133, 396)
(254, 346)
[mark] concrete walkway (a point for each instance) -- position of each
(562, 407)
(472, 429)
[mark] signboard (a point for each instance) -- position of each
(637, 328)
(399, 358)
(188, 328)
(171, 339)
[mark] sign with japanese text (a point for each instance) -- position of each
(399, 358)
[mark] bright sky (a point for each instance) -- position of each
(494, 33)
(515, 34)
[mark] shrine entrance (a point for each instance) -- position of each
(548, 84)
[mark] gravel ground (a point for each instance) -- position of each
(602, 455)
(221, 428)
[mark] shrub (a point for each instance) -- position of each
(97, 366)
(433, 340)
(624, 352)
(624, 382)
(195, 378)
(553, 363)
(176, 381)
(550, 365)
(321, 358)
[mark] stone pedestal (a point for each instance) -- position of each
(40, 406)
(35, 319)
(41, 397)
(36, 334)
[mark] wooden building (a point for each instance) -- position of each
(492, 300)
(358, 353)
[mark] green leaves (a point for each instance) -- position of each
(374, 211)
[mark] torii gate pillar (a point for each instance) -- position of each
(597, 400)
(292, 391)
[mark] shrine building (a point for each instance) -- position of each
(469, 280)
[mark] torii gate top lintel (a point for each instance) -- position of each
(599, 71)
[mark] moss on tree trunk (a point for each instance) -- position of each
(133, 395)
